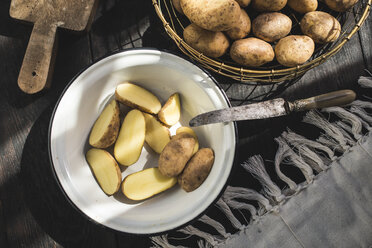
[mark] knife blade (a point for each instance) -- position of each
(273, 108)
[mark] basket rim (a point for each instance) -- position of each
(255, 73)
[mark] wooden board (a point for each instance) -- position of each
(37, 66)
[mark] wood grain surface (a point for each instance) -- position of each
(33, 210)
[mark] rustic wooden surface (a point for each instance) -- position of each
(33, 210)
(38, 63)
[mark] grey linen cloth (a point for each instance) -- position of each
(335, 210)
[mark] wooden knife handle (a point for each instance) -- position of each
(335, 98)
(35, 73)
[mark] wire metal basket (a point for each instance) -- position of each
(272, 73)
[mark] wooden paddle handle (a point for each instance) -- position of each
(36, 70)
(335, 98)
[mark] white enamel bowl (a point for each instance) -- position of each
(79, 106)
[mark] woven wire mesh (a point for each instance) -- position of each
(128, 27)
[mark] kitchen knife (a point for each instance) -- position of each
(273, 108)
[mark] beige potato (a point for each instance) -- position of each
(251, 52)
(241, 28)
(217, 15)
(176, 154)
(340, 5)
(320, 26)
(105, 170)
(303, 6)
(243, 3)
(197, 170)
(210, 43)
(189, 131)
(268, 5)
(294, 50)
(131, 137)
(106, 128)
(157, 135)
(271, 26)
(170, 113)
(177, 6)
(137, 97)
(146, 183)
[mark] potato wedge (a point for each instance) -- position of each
(106, 128)
(157, 135)
(131, 137)
(175, 154)
(170, 113)
(105, 170)
(189, 131)
(197, 170)
(137, 97)
(146, 183)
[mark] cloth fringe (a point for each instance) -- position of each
(293, 149)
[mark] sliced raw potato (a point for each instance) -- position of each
(106, 128)
(157, 135)
(189, 131)
(137, 97)
(131, 137)
(170, 113)
(175, 154)
(146, 183)
(197, 170)
(105, 170)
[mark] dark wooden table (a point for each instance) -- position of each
(33, 210)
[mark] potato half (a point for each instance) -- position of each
(106, 128)
(157, 135)
(189, 131)
(146, 183)
(137, 97)
(197, 170)
(131, 137)
(170, 113)
(176, 154)
(105, 170)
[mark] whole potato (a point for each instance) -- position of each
(217, 15)
(210, 43)
(243, 3)
(271, 26)
(320, 26)
(176, 154)
(268, 5)
(251, 52)
(177, 6)
(303, 6)
(294, 50)
(242, 27)
(197, 170)
(340, 5)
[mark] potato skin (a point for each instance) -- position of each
(197, 170)
(176, 154)
(271, 26)
(251, 52)
(320, 26)
(243, 3)
(294, 50)
(242, 28)
(111, 133)
(177, 6)
(303, 6)
(268, 5)
(210, 43)
(340, 5)
(217, 15)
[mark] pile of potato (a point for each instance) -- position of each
(219, 27)
(180, 158)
